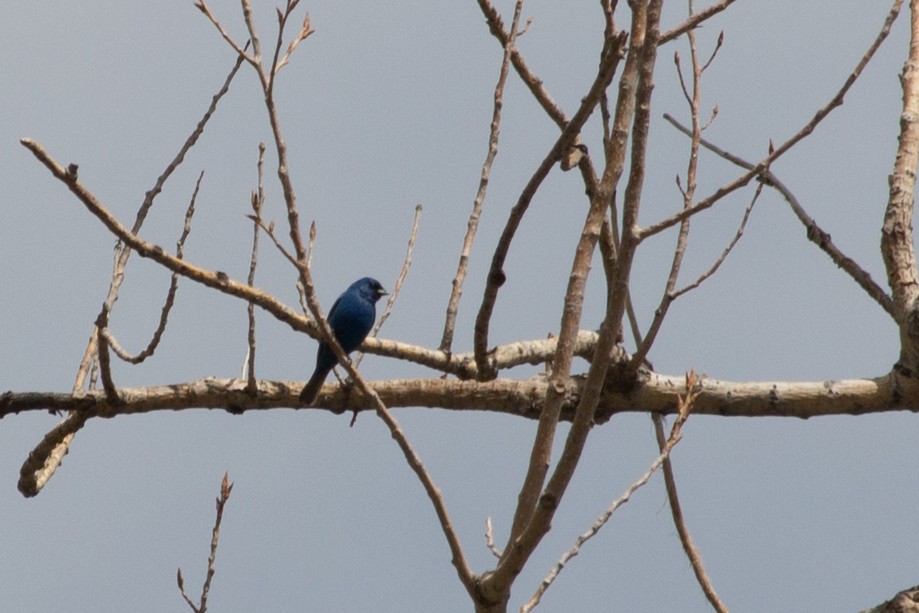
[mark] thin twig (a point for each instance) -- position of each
(530, 79)
(494, 132)
(776, 153)
(151, 347)
(305, 31)
(693, 21)
(695, 559)
(257, 200)
(403, 272)
(202, 6)
(390, 302)
(226, 488)
(490, 539)
(693, 100)
(727, 250)
(814, 232)
(685, 406)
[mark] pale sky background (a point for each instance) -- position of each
(386, 106)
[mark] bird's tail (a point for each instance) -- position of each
(311, 389)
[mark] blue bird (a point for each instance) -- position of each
(351, 319)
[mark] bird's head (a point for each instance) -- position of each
(369, 288)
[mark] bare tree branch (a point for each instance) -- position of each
(257, 200)
(814, 232)
(38, 468)
(695, 559)
(685, 406)
(694, 20)
(693, 100)
(896, 233)
(226, 488)
(494, 132)
(150, 349)
(403, 273)
(777, 152)
(727, 250)
(496, 276)
(524, 398)
(490, 539)
(464, 573)
(534, 514)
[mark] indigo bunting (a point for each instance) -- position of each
(351, 319)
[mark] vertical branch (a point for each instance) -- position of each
(397, 287)
(640, 79)
(896, 233)
(446, 341)
(258, 199)
(535, 510)
(226, 488)
(105, 359)
(561, 367)
(693, 96)
(403, 273)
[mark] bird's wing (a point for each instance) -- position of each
(334, 308)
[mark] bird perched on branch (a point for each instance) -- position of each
(351, 319)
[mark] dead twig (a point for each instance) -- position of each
(779, 151)
(693, 21)
(684, 404)
(490, 539)
(815, 233)
(670, 484)
(226, 488)
(693, 96)
(106, 332)
(727, 250)
(403, 273)
(257, 200)
(494, 133)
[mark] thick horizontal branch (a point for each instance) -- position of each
(653, 393)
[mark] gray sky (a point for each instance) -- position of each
(387, 106)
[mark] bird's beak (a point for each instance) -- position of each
(382, 292)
